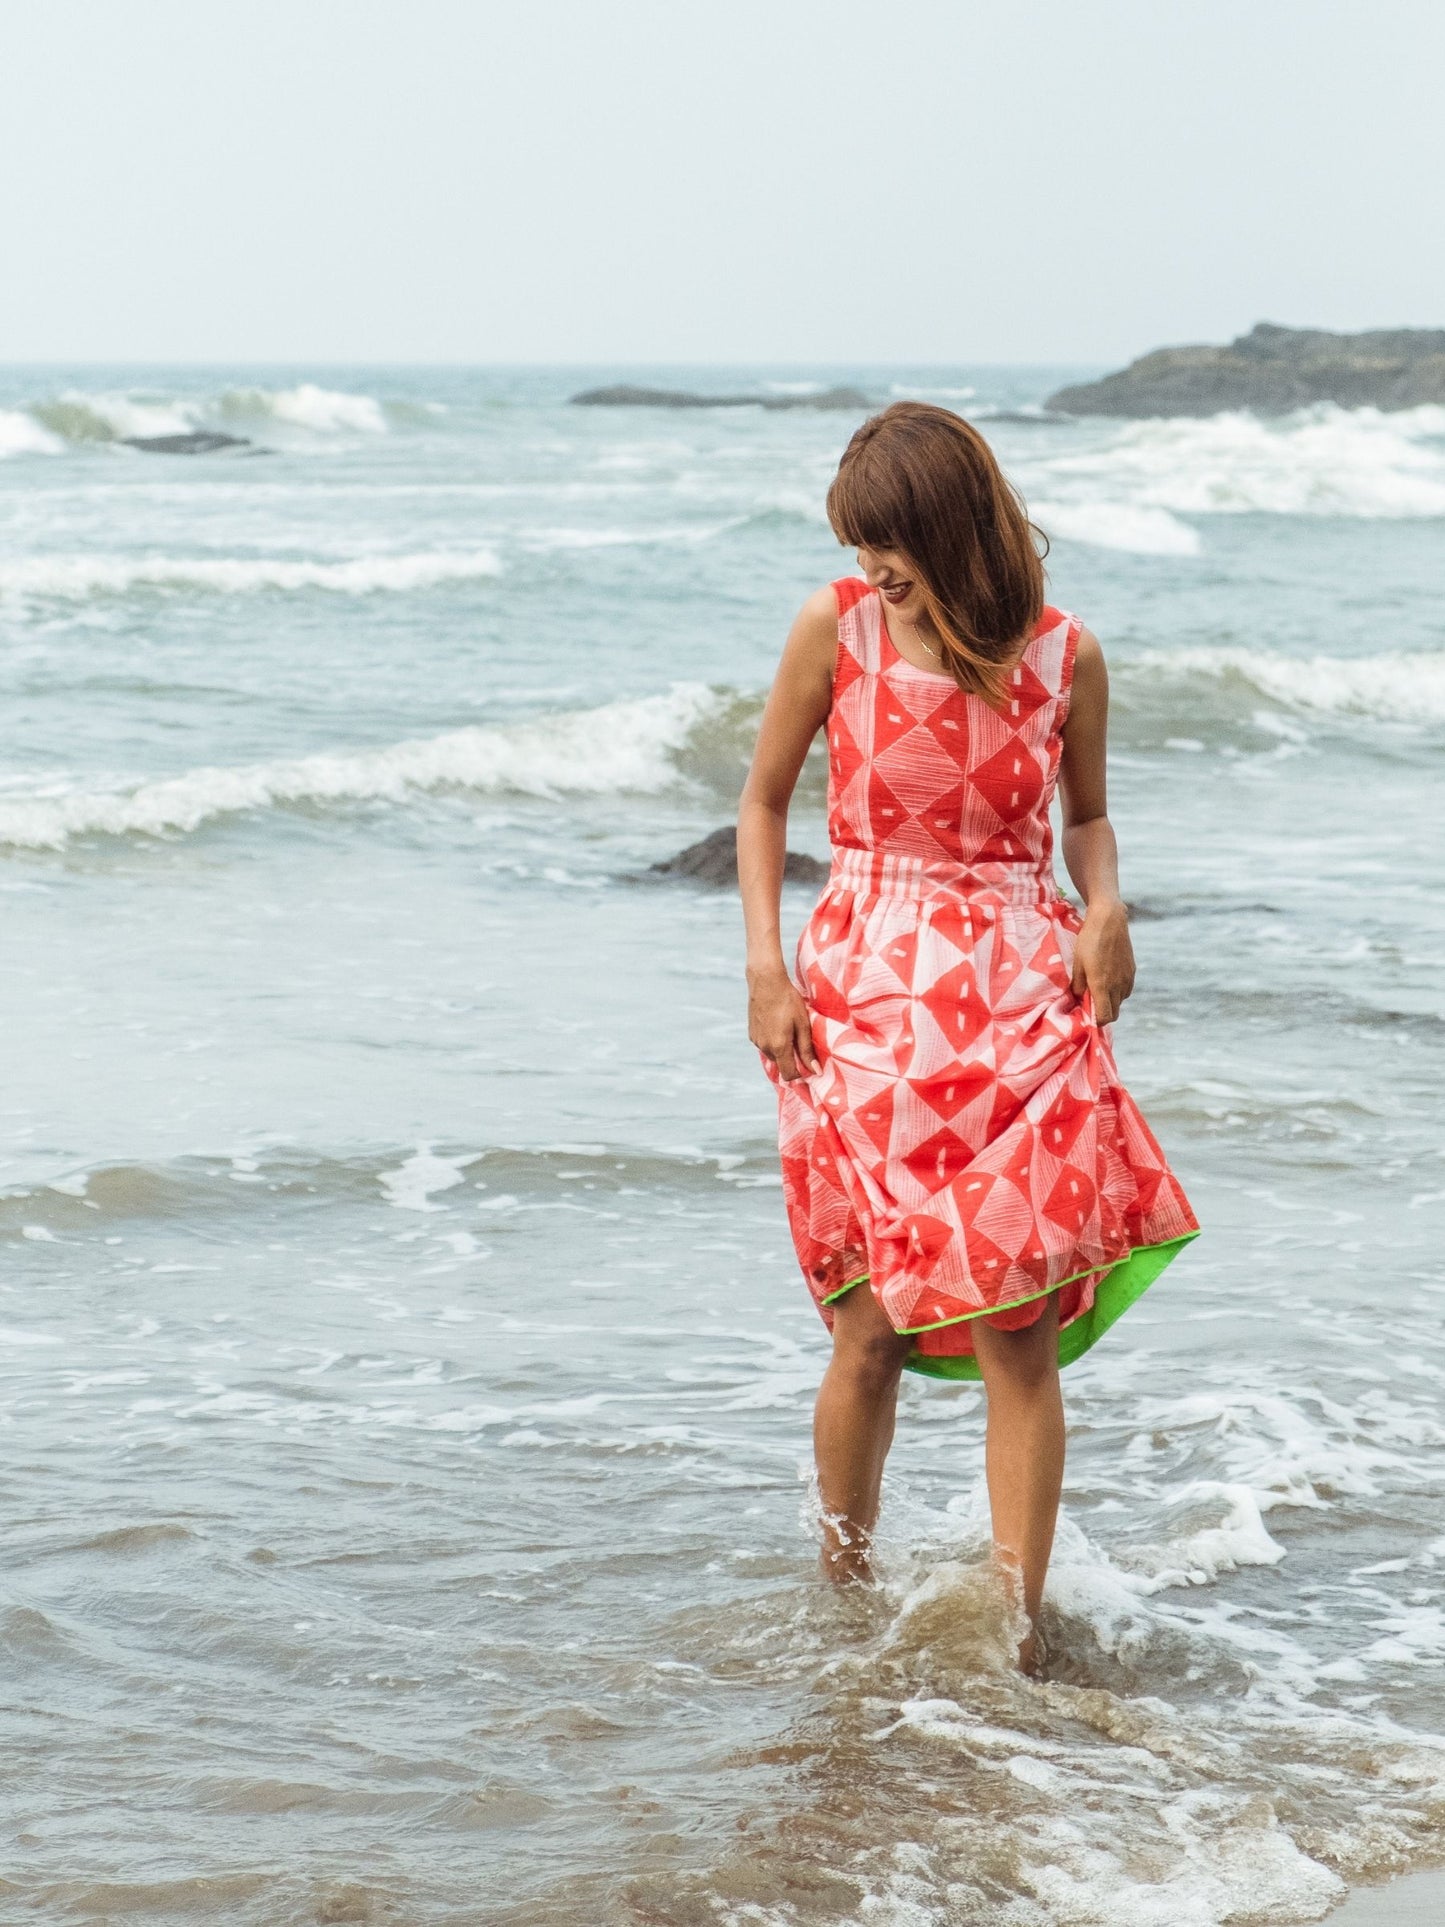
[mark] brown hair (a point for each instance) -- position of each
(922, 480)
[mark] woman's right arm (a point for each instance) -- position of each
(797, 707)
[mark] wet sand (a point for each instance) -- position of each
(1415, 1900)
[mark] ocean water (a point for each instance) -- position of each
(407, 1381)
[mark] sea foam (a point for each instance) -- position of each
(621, 747)
(1320, 461)
(76, 577)
(324, 411)
(83, 417)
(21, 434)
(690, 738)
(1117, 525)
(110, 418)
(1399, 685)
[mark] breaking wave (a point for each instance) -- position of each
(112, 418)
(1406, 686)
(21, 434)
(45, 427)
(323, 410)
(1320, 461)
(75, 577)
(622, 747)
(1117, 525)
(695, 738)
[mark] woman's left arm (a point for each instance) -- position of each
(1103, 955)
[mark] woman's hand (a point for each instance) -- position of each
(1104, 959)
(778, 1023)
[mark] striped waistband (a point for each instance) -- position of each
(881, 873)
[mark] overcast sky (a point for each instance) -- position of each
(751, 180)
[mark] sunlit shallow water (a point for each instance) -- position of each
(407, 1378)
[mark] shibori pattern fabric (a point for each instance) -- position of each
(966, 1147)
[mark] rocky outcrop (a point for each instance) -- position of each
(624, 396)
(1272, 370)
(715, 861)
(200, 441)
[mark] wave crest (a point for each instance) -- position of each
(45, 427)
(21, 434)
(694, 738)
(325, 411)
(1401, 685)
(619, 748)
(1321, 461)
(1117, 525)
(76, 577)
(112, 418)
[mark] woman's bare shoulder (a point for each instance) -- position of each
(820, 611)
(1090, 673)
(814, 634)
(1088, 650)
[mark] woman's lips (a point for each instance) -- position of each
(898, 591)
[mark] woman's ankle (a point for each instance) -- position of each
(846, 1561)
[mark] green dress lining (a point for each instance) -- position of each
(1124, 1282)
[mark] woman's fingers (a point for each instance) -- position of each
(1104, 968)
(803, 1040)
(1103, 997)
(783, 1058)
(784, 1035)
(1106, 1000)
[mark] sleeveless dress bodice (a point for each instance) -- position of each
(935, 785)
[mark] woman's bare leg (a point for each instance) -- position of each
(1024, 1453)
(853, 1429)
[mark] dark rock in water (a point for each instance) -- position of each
(1272, 370)
(1185, 907)
(199, 442)
(715, 861)
(624, 396)
(1023, 418)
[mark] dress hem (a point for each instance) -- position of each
(1123, 1283)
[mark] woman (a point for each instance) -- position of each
(971, 1191)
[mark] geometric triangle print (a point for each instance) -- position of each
(1025, 694)
(987, 1262)
(884, 808)
(955, 1004)
(938, 1160)
(942, 816)
(891, 720)
(954, 1091)
(1010, 782)
(1071, 1202)
(1062, 1122)
(875, 1117)
(900, 954)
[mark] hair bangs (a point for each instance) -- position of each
(868, 505)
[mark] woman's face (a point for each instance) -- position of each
(888, 572)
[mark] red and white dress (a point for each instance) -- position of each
(965, 1147)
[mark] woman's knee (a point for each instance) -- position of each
(867, 1348)
(875, 1364)
(1026, 1360)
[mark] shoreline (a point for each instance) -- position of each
(1410, 1900)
